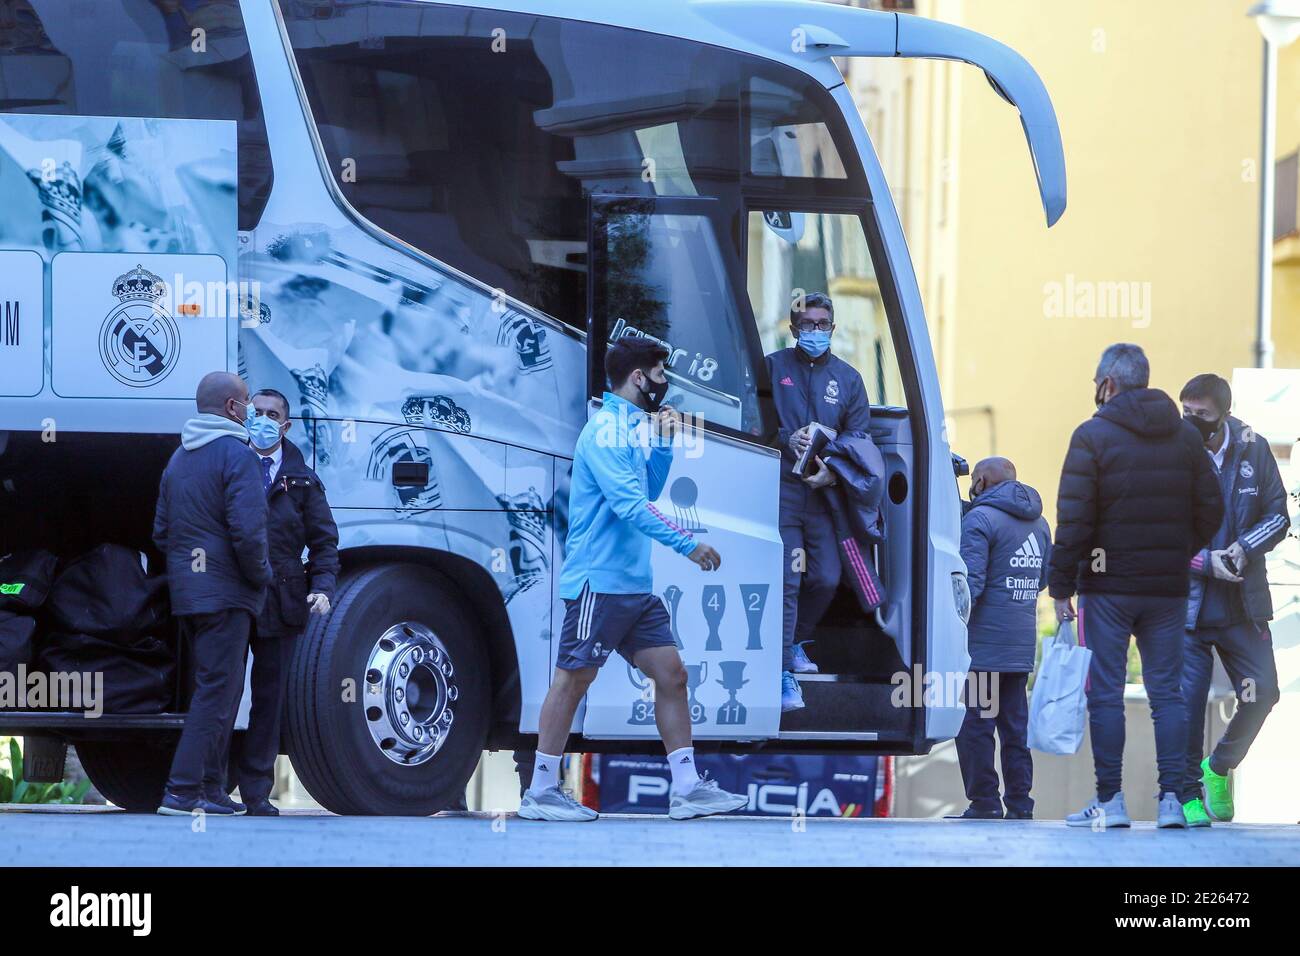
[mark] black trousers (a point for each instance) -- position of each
(256, 767)
(975, 746)
(1246, 650)
(217, 644)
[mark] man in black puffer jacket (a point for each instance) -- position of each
(1138, 497)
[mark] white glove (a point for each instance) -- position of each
(318, 603)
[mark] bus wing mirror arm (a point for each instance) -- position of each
(1014, 80)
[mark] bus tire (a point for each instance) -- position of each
(347, 693)
(130, 774)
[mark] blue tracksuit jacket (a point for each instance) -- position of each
(618, 471)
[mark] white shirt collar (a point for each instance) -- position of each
(1223, 448)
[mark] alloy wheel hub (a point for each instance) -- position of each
(409, 694)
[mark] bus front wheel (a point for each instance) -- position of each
(388, 699)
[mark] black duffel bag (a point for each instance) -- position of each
(139, 677)
(25, 579)
(16, 632)
(106, 593)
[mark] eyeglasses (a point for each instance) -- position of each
(825, 325)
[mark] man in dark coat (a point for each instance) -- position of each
(299, 518)
(1006, 545)
(810, 385)
(210, 523)
(1138, 498)
(1229, 607)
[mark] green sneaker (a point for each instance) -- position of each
(1218, 793)
(1195, 813)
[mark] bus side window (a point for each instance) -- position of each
(119, 58)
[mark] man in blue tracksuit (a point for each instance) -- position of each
(619, 468)
(1229, 606)
(809, 385)
(1006, 545)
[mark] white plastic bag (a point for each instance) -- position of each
(1058, 707)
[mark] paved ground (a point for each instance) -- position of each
(98, 837)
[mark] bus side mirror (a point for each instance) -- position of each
(960, 467)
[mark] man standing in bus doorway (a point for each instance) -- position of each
(299, 519)
(210, 523)
(1229, 607)
(620, 466)
(811, 387)
(1138, 498)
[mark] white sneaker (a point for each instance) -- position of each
(554, 804)
(704, 800)
(1112, 814)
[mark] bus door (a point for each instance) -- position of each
(667, 268)
(805, 243)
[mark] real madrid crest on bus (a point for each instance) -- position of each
(528, 339)
(139, 341)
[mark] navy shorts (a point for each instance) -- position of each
(595, 624)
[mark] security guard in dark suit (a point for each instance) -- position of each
(298, 517)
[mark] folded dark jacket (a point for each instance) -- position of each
(854, 504)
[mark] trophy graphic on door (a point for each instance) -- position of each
(643, 708)
(754, 597)
(695, 676)
(673, 598)
(732, 680)
(714, 602)
(684, 494)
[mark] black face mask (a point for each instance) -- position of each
(1097, 396)
(1204, 425)
(655, 394)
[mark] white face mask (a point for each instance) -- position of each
(264, 432)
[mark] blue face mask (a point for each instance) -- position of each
(815, 342)
(264, 432)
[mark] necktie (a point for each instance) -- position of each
(266, 473)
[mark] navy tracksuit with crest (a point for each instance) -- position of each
(1232, 618)
(829, 391)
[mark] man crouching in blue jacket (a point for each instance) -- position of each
(1005, 543)
(1229, 606)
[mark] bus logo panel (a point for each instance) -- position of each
(139, 341)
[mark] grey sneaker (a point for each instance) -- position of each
(554, 804)
(1102, 816)
(703, 800)
(1169, 813)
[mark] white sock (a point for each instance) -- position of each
(546, 772)
(682, 764)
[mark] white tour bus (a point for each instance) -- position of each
(423, 222)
